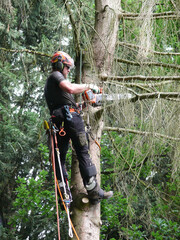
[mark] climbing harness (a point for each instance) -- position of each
(52, 130)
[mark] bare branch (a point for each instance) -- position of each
(148, 63)
(155, 95)
(144, 86)
(73, 22)
(135, 16)
(25, 50)
(144, 133)
(124, 44)
(147, 84)
(174, 4)
(139, 77)
(132, 170)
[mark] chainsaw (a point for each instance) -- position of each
(97, 99)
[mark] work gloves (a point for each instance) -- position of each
(94, 88)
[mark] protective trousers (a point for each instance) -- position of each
(75, 130)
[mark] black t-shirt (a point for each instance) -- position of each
(55, 96)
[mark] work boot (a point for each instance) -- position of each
(95, 193)
(66, 197)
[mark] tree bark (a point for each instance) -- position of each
(86, 217)
(105, 38)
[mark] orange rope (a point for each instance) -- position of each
(57, 184)
(98, 144)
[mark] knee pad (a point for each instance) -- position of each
(82, 139)
(92, 184)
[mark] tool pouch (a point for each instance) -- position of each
(57, 116)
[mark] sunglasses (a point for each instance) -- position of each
(68, 67)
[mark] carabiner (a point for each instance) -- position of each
(62, 133)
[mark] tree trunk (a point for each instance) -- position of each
(106, 26)
(86, 217)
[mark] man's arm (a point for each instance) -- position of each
(73, 88)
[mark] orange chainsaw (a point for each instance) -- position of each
(97, 99)
(94, 99)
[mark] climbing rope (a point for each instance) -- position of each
(62, 178)
(52, 132)
(55, 185)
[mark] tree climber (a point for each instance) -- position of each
(64, 110)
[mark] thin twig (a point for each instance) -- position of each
(167, 65)
(126, 44)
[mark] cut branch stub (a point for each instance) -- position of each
(81, 201)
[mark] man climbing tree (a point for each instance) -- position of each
(66, 115)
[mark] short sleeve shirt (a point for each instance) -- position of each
(54, 95)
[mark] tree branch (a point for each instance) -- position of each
(146, 84)
(139, 77)
(148, 63)
(124, 44)
(144, 133)
(73, 22)
(155, 95)
(124, 169)
(132, 170)
(116, 171)
(134, 16)
(25, 50)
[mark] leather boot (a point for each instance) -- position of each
(95, 193)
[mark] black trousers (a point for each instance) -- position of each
(75, 131)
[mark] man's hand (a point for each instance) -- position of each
(94, 88)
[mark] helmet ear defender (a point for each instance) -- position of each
(58, 66)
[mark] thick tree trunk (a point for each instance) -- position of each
(86, 217)
(106, 26)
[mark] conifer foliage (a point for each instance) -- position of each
(140, 141)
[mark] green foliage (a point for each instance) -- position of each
(34, 208)
(165, 230)
(112, 213)
(140, 169)
(134, 232)
(140, 208)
